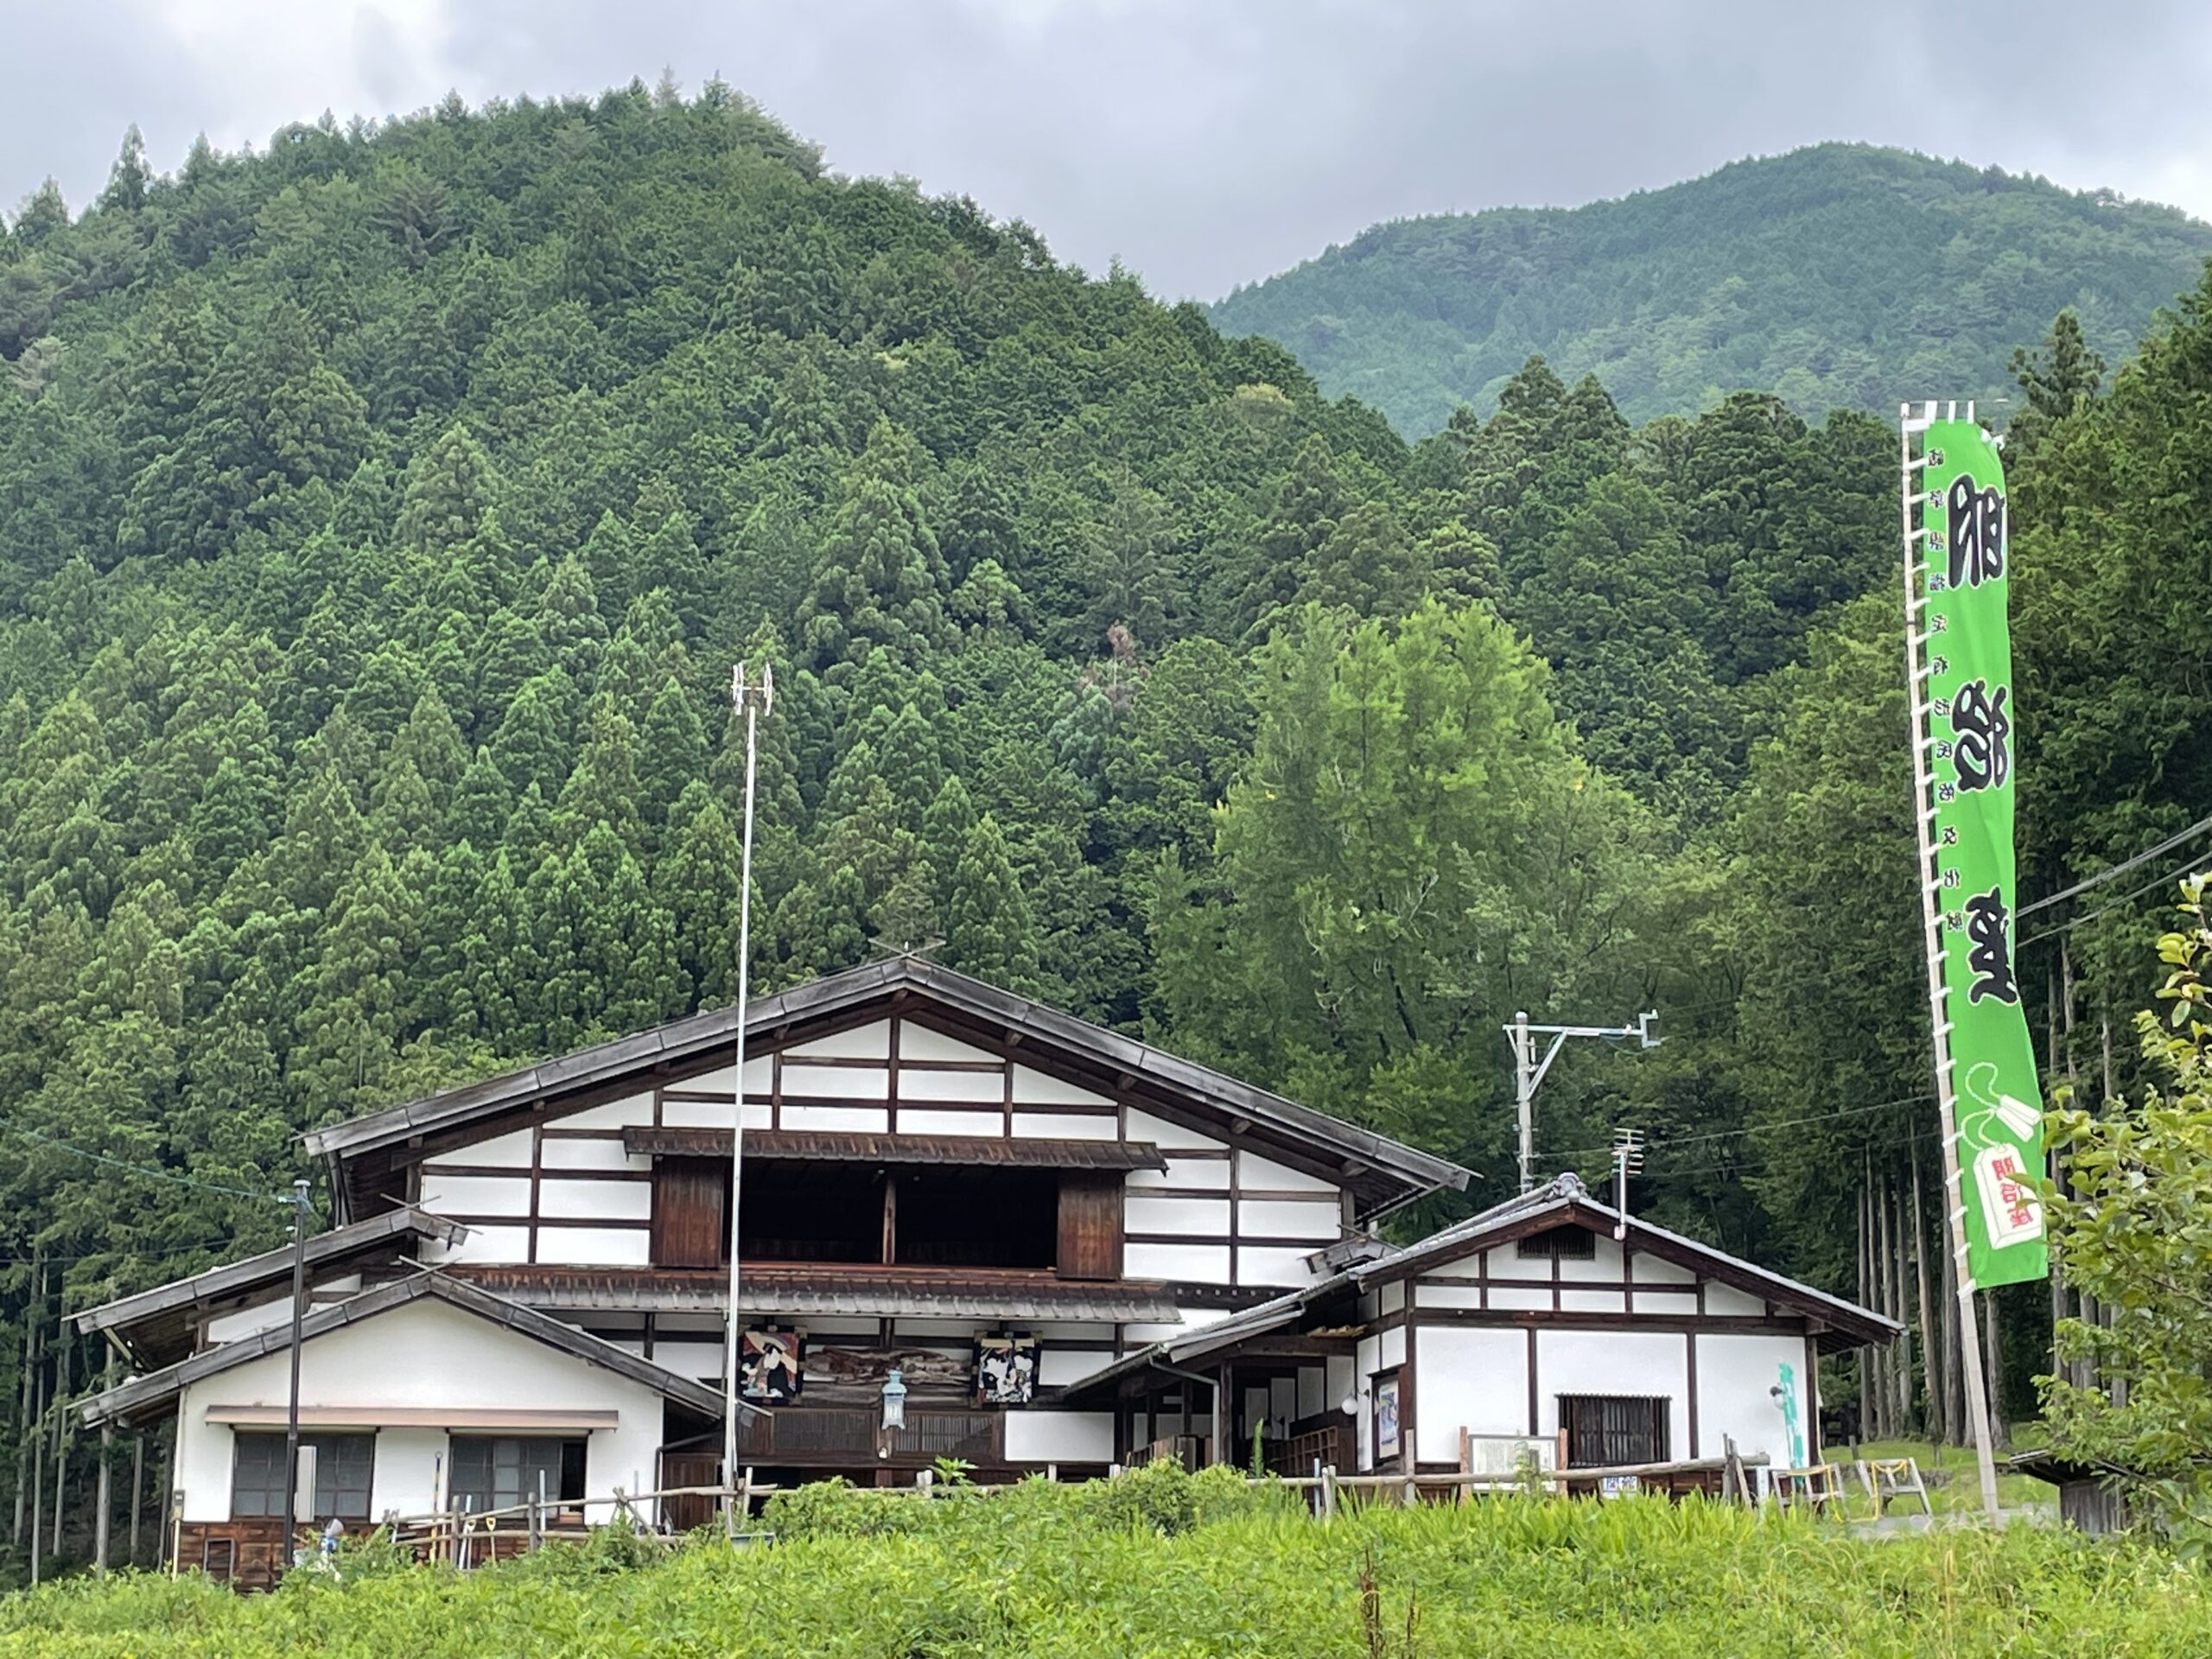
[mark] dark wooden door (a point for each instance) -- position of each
(1090, 1225)
(679, 1469)
(688, 1196)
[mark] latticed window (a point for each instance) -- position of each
(1560, 1243)
(344, 1466)
(1606, 1431)
(503, 1471)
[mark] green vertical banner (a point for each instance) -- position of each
(1970, 714)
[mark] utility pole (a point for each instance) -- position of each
(1529, 1070)
(752, 699)
(1628, 1159)
(292, 1399)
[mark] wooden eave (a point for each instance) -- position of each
(159, 1327)
(144, 1398)
(835, 1147)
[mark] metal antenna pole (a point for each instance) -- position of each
(1924, 819)
(1529, 1070)
(753, 701)
(292, 1398)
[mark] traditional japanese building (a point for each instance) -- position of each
(1074, 1250)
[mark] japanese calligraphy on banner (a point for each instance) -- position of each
(1969, 705)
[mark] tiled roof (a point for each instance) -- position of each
(1383, 1164)
(142, 1396)
(157, 1327)
(808, 1146)
(868, 1292)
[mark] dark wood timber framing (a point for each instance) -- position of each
(370, 1154)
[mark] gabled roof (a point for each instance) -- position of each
(145, 1396)
(157, 1326)
(1562, 1201)
(1565, 1201)
(1382, 1168)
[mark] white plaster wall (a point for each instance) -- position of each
(870, 1042)
(1196, 1264)
(1319, 1219)
(489, 1245)
(1064, 1126)
(558, 1154)
(1168, 1137)
(595, 1200)
(629, 1110)
(846, 1120)
(1060, 1436)
(1366, 1361)
(938, 1121)
(1605, 1264)
(474, 1195)
(1733, 1375)
(920, 1043)
(1211, 1173)
(837, 1081)
(1471, 1379)
(1254, 1171)
(425, 1354)
(1199, 1217)
(1272, 1264)
(1650, 1270)
(973, 1088)
(711, 1113)
(593, 1247)
(1035, 1087)
(1726, 1299)
(1616, 1362)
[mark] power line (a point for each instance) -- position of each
(1754, 1128)
(2189, 869)
(151, 1171)
(2103, 876)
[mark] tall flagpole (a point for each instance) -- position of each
(1924, 821)
(753, 701)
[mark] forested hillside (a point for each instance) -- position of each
(1842, 275)
(380, 517)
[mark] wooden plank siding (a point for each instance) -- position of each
(689, 1196)
(1090, 1225)
(1229, 1216)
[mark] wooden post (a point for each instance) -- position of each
(60, 1414)
(104, 1500)
(28, 1423)
(137, 1489)
(1328, 1491)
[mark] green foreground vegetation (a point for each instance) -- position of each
(1164, 1563)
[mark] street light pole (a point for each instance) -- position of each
(752, 699)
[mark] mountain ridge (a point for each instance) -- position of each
(1787, 272)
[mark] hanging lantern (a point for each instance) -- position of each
(895, 1400)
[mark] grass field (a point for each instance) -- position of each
(1175, 1567)
(1953, 1487)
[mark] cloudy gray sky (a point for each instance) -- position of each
(1203, 141)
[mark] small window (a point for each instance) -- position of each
(1560, 1245)
(1606, 1431)
(343, 1466)
(500, 1472)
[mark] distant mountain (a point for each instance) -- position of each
(1838, 275)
